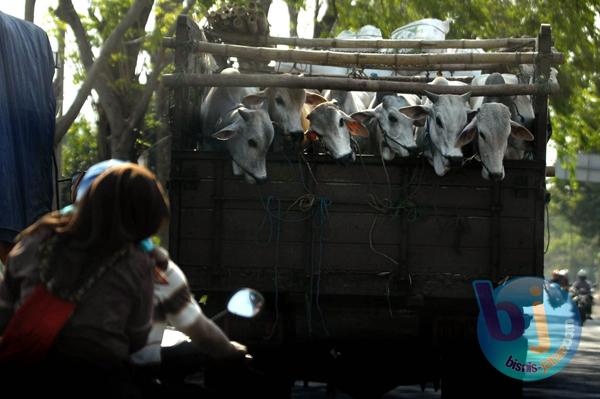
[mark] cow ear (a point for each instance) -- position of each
(356, 128)
(466, 97)
(225, 133)
(245, 114)
(314, 99)
(519, 131)
(468, 134)
(418, 119)
(471, 115)
(363, 116)
(255, 100)
(416, 112)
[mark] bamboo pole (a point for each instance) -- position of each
(291, 81)
(363, 59)
(376, 44)
(415, 79)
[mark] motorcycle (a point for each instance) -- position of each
(584, 302)
(185, 370)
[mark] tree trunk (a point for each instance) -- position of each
(29, 10)
(324, 28)
(293, 9)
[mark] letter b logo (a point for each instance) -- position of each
(490, 312)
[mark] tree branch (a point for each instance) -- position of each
(110, 45)
(29, 10)
(110, 101)
(127, 136)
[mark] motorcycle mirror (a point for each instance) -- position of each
(246, 302)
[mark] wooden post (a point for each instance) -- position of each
(540, 104)
(541, 76)
(182, 50)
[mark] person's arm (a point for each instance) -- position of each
(211, 340)
(184, 313)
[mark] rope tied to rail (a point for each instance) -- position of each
(321, 215)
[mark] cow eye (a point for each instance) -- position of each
(482, 136)
(392, 119)
(439, 121)
(279, 101)
(341, 122)
(252, 143)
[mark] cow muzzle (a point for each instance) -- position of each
(345, 159)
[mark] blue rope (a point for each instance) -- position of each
(274, 236)
(324, 204)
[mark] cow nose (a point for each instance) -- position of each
(413, 150)
(455, 162)
(297, 135)
(261, 180)
(345, 159)
(496, 176)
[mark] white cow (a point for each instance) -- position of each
(521, 111)
(489, 131)
(446, 116)
(392, 131)
(236, 118)
(334, 128)
(287, 112)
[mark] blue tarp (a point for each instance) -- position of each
(27, 123)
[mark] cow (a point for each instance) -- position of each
(239, 124)
(392, 132)
(521, 111)
(351, 102)
(333, 128)
(489, 130)
(287, 109)
(446, 116)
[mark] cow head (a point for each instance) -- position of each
(333, 128)
(249, 136)
(490, 129)
(393, 130)
(446, 116)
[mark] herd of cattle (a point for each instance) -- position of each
(446, 129)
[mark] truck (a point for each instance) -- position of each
(367, 268)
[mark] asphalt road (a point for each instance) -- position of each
(580, 379)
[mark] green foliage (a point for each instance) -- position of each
(574, 217)
(79, 149)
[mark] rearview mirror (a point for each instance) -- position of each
(246, 302)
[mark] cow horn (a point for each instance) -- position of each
(432, 96)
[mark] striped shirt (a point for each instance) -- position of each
(173, 305)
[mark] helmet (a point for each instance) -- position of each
(582, 273)
(555, 273)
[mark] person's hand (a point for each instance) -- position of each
(238, 351)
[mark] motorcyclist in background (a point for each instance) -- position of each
(560, 277)
(582, 288)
